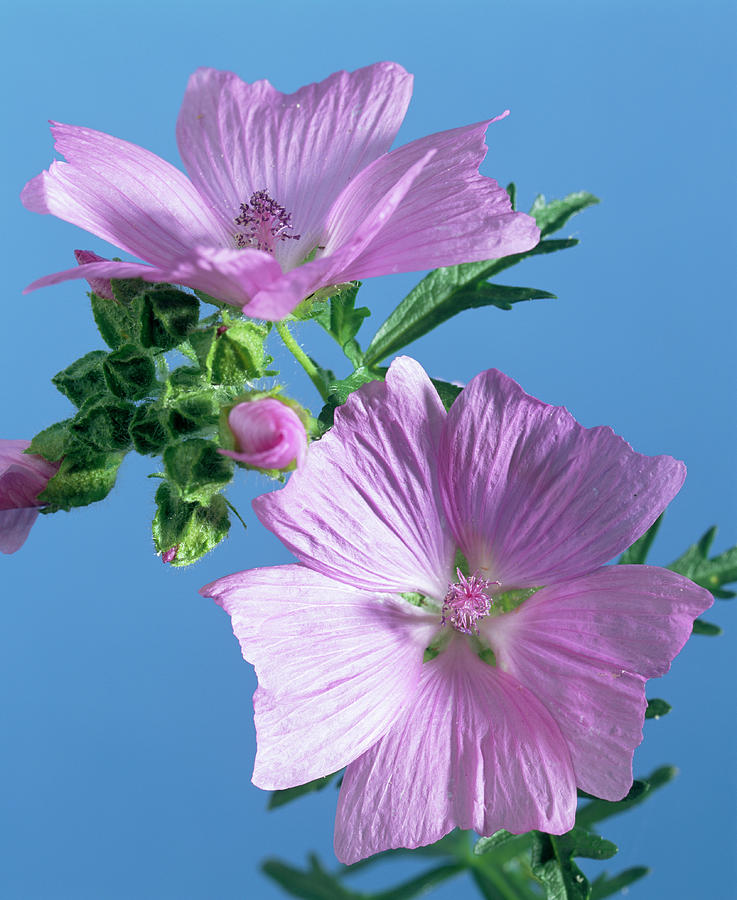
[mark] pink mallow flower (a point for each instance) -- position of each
(383, 504)
(268, 434)
(286, 194)
(23, 477)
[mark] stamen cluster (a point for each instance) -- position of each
(264, 221)
(466, 602)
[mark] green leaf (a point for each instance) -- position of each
(606, 886)
(280, 798)
(485, 844)
(130, 372)
(552, 216)
(197, 469)
(102, 423)
(81, 481)
(341, 390)
(552, 861)
(53, 442)
(597, 810)
(342, 320)
(167, 317)
(313, 884)
(83, 378)
(447, 291)
(657, 708)
(709, 573)
(191, 528)
(637, 553)
(512, 191)
(701, 626)
(446, 391)
(149, 430)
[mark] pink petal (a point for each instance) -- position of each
(473, 750)
(98, 271)
(451, 214)
(335, 666)
(532, 496)
(585, 648)
(303, 148)
(364, 508)
(14, 527)
(334, 268)
(125, 195)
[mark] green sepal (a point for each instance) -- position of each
(552, 861)
(191, 413)
(167, 317)
(232, 354)
(102, 423)
(656, 708)
(280, 798)
(341, 390)
(81, 481)
(53, 442)
(83, 378)
(712, 573)
(184, 380)
(149, 430)
(197, 469)
(127, 290)
(192, 528)
(115, 319)
(130, 372)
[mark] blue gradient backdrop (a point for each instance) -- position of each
(127, 728)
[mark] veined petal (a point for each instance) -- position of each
(106, 269)
(125, 195)
(585, 647)
(474, 749)
(451, 214)
(334, 268)
(335, 665)
(532, 496)
(15, 524)
(364, 508)
(303, 148)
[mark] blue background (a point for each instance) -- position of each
(127, 728)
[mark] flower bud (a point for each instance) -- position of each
(22, 478)
(100, 286)
(268, 434)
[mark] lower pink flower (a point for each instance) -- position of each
(22, 478)
(378, 515)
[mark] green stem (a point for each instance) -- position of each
(235, 511)
(302, 358)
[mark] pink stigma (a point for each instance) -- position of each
(466, 602)
(264, 221)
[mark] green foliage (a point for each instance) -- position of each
(102, 423)
(197, 469)
(553, 865)
(657, 708)
(709, 573)
(81, 481)
(130, 372)
(233, 353)
(448, 291)
(149, 429)
(637, 553)
(281, 798)
(115, 320)
(167, 316)
(53, 442)
(83, 379)
(607, 886)
(193, 528)
(339, 392)
(342, 320)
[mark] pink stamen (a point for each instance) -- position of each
(466, 602)
(264, 222)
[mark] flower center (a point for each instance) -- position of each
(263, 222)
(466, 602)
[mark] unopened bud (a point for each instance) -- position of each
(100, 286)
(268, 434)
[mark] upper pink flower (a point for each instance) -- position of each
(23, 476)
(380, 508)
(287, 193)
